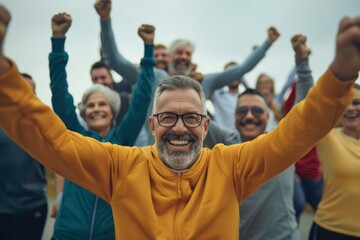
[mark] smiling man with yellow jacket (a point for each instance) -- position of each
(176, 189)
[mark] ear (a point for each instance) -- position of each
(151, 120)
(267, 115)
(206, 127)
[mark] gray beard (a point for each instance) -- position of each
(179, 161)
(174, 71)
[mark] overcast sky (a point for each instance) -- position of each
(221, 30)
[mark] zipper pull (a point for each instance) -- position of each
(178, 180)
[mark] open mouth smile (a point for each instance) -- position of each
(178, 142)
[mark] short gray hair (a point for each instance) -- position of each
(179, 43)
(114, 99)
(179, 82)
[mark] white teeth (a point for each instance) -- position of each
(178, 142)
(97, 117)
(352, 115)
(250, 125)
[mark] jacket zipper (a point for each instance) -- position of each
(178, 182)
(93, 218)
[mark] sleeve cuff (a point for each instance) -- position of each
(148, 54)
(149, 50)
(58, 44)
(105, 25)
(330, 84)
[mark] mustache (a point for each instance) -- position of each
(176, 62)
(250, 121)
(173, 136)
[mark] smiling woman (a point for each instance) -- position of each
(99, 108)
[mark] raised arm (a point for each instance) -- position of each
(40, 132)
(214, 81)
(113, 58)
(305, 79)
(62, 100)
(346, 65)
(4, 22)
(135, 117)
(279, 98)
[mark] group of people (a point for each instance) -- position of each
(141, 159)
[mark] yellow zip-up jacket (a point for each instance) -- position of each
(148, 200)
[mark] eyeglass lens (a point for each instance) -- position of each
(170, 119)
(255, 110)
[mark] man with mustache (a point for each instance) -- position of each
(176, 189)
(268, 213)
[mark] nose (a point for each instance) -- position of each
(184, 56)
(180, 126)
(351, 108)
(249, 114)
(96, 107)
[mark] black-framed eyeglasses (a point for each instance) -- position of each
(355, 102)
(169, 119)
(255, 111)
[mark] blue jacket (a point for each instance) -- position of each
(82, 214)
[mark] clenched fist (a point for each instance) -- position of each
(103, 8)
(60, 24)
(346, 65)
(147, 33)
(273, 34)
(4, 22)
(298, 43)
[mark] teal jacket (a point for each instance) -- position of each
(82, 214)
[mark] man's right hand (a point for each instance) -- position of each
(298, 43)
(346, 65)
(198, 76)
(54, 210)
(5, 18)
(147, 33)
(4, 22)
(103, 8)
(273, 34)
(60, 24)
